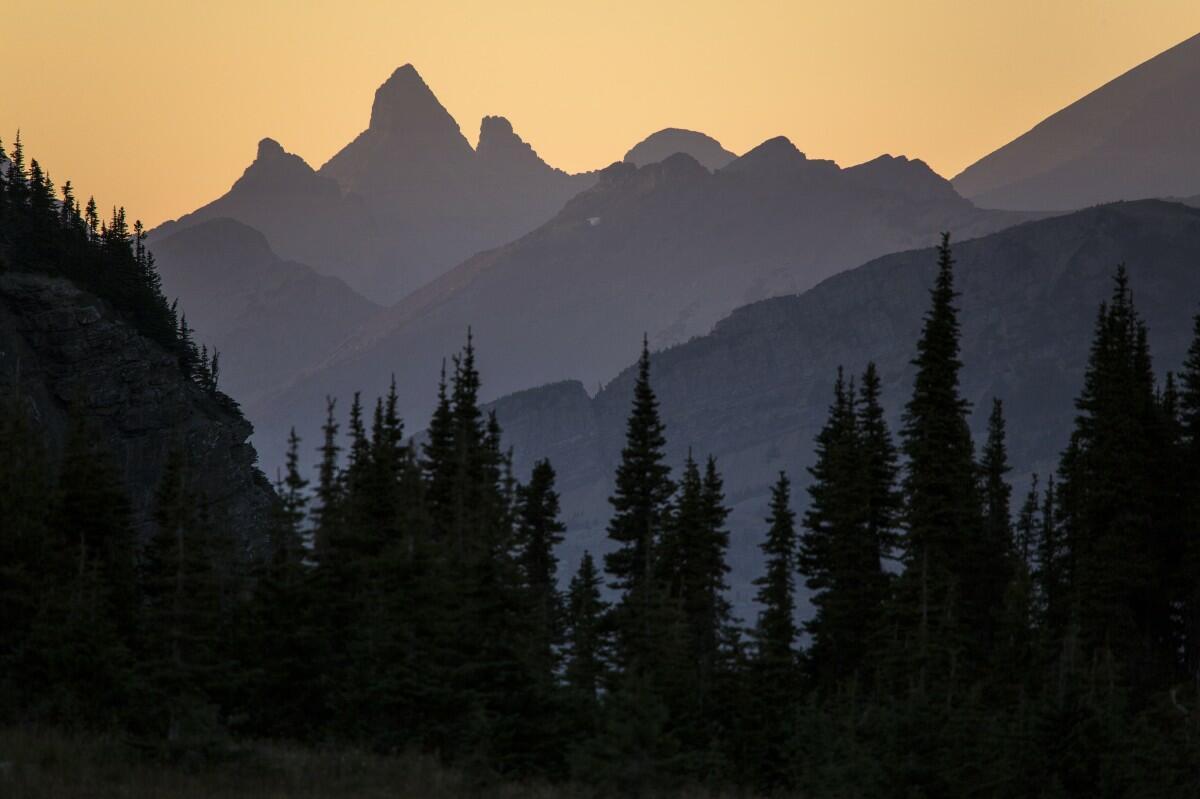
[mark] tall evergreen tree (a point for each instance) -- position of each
(943, 516)
(641, 513)
(839, 556)
(539, 531)
(1109, 487)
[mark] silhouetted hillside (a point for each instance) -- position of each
(1132, 138)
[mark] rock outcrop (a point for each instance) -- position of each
(66, 352)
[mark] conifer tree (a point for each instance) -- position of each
(641, 513)
(943, 513)
(880, 464)
(766, 732)
(775, 633)
(1110, 518)
(838, 555)
(993, 552)
(539, 531)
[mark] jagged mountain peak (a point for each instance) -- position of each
(404, 100)
(274, 169)
(500, 147)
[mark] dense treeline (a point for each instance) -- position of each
(39, 232)
(410, 597)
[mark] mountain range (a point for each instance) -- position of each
(665, 250)
(755, 391)
(407, 199)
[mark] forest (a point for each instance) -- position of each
(964, 641)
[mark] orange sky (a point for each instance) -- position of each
(158, 104)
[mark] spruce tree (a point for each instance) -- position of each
(767, 730)
(838, 555)
(993, 554)
(641, 514)
(1109, 484)
(941, 615)
(880, 464)
(539, 531)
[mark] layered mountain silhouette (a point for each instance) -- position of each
(269, 318)
(668, 141)
(1132, 138)
(755, 391)
(666, 249)
(403, 202)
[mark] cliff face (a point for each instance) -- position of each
(67, 351)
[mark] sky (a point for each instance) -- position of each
(158, 105)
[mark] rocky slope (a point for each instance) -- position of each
(755, 391)
(666, 249)
(64, 351)
(1134, 137)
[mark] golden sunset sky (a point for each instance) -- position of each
(158, 105)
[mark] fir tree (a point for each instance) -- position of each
(641, 513)
(539, 531)
(838, 555)
(943, 516)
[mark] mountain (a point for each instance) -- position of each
(755, 390)
(66, 352)
(304, 215)
(269, 318)
(666, 249)
(668, 141)
(407, 199)
(1132, 138)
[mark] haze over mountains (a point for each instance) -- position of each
(269, 318)
(666, 249)
(407, 199)
(1132, 138)
(755, 391)
(580, 266)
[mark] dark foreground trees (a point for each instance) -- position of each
(411, 597)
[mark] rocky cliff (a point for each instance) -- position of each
(65, 351)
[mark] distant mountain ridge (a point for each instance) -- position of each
(755, 390)
(405, 200)
(1132, 138)
(667, 249)
(669, 141)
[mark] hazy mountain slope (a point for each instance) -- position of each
(303, 215)
(755, 390)
(407, 199)
(1132, 138)
(667, 249)
(668, 141)
(269, 318)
